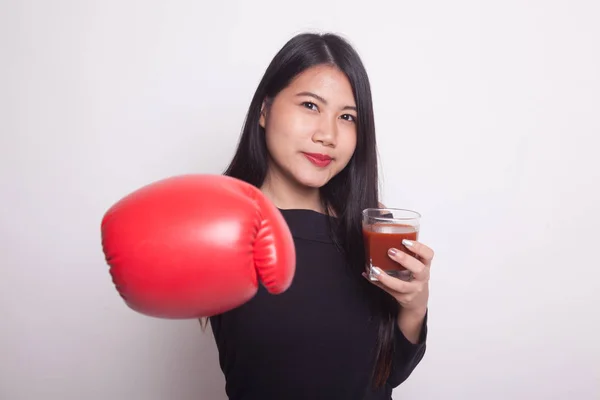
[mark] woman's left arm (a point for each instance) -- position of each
(411, 324)
(413, 297)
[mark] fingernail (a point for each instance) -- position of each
(376, 270)
(407, 243)
(392, 252)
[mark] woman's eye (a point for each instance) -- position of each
(349, 117)
(309, 105)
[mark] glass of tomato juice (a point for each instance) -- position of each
(383, 229)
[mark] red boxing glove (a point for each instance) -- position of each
(192, 246)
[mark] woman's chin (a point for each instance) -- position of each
(313, 181)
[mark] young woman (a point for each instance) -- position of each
(309, 144)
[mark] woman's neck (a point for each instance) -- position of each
(287, 194)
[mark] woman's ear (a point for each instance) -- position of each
(263, 114)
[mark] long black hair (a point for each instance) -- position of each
(349, 192)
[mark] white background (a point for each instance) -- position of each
(488, 117)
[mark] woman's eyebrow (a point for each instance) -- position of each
(321, 99)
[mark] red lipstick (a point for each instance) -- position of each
(320, 160)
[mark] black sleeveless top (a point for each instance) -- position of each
(314, 341)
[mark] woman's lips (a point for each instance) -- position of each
(320, 160)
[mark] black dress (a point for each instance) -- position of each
(314, 341)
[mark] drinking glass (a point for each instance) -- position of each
(385, 228)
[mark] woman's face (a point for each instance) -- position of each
(310, 127)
